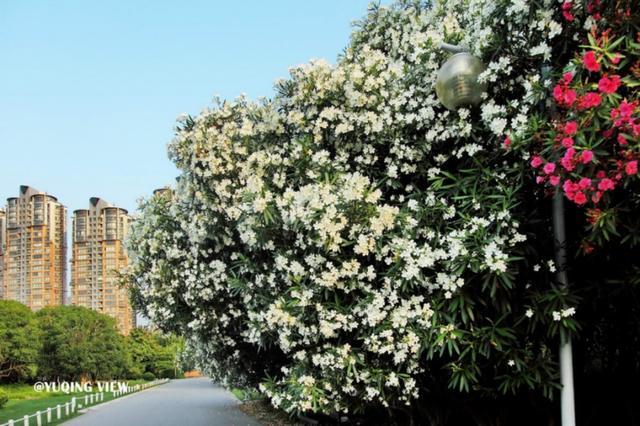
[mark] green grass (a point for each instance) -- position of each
(24, 400)
(246, 394)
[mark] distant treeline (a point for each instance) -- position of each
(76, 343)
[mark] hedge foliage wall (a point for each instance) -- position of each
(351, 246)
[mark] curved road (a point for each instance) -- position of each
(183, 402)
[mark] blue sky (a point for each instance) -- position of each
(89, 91)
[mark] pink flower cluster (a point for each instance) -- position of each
(590, 61)
(576, 164)
(623, 117)
(577, 191)
(609, 84)
(571, 163)
(566, 11)
(563, 94)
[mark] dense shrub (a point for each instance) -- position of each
(351, 246)
(148, 375)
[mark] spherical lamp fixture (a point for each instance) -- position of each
(457, 83)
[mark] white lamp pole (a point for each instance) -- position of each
(567, 404)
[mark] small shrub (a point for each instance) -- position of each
(168, 373)
(148, 376)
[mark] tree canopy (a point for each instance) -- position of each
(19, 341)
(79, 344)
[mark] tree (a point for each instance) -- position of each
(152, 352)
(79, 344)
(19, 341)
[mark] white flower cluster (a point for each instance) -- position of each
(319, 225)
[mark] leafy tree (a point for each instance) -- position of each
(79, 343)
(141, 346)
(152, 352)
(19, 341)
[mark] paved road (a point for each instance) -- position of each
(180, 402)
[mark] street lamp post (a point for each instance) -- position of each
(567, 405)
(457, 85)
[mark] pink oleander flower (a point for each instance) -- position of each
(567, 142)
(554, 180)
(626, 109)
(584, 183)
(536, 161)
(606, 184)
(590, 100)
(568, 185)
(564, 96)
(570, 97)
(566, 11)
(567, 77)
(569, 189)
(558, 91)
(579, 198)
(623, 114)
(507, 142)
(590, 61)
(586, 156)
(549, 168)
(621, 140)
(570, 128)
(567, 160)
(631, 168)
(609, 84)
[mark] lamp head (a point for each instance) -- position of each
(457, 83)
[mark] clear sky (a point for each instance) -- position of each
(89, 90)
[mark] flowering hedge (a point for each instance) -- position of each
(350, 245)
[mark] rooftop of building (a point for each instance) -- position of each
(29, 191)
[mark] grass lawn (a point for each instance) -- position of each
(24, 400)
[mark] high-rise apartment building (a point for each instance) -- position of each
(3, 228)
(35, 252)
(97, 258)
